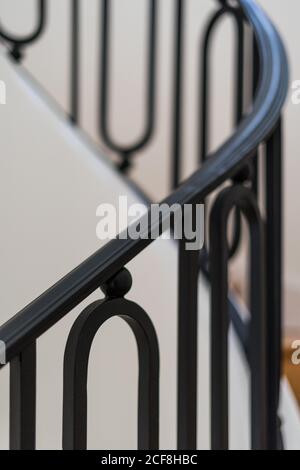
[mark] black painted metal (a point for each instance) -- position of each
(23, 399)
(274, 182)
(239, 90)
(219, 255)
(126, 152)
(17, 42)
(232, 162)
(204, 116)
(76, 368)
(205, 88)
(75, 62)
(239, 86)
(187, 346)
(178, 91)
(255, 83)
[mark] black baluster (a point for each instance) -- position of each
(187, 344)
(219, 257)
(239, 90)
(178, 92)
(274, 218)
(75, 62)
(77, 358)
(204, 98)
(239, 86)
(126, 152)
(255, 83)
(23, 400)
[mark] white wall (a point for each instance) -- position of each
(47, 61)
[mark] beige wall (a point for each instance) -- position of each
(47, 61)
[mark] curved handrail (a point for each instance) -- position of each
(56, 302)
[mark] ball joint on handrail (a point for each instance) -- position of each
(244, 175)
(117, 286)
(16, 52)
(230, 4)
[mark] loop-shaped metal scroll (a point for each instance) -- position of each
(244, 199)
(18, 41)
(204, 115)
(76, 369)
(126, 151)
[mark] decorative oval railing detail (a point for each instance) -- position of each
(17, 42)
(77, 359)
(204, 114)
(219, 256)
(126, 152)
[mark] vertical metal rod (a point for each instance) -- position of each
(239, 89)
(104, 66)
(258, 335)
(219, 334)
(187, 347)
(178, 92)
(75, 62)
(151, 69)
(23, 400)
(274, 182)
(240, 75)
(255, 82)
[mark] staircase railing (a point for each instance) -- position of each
(237, 162)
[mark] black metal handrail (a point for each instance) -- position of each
(262, 124)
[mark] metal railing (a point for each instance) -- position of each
(237, 162)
